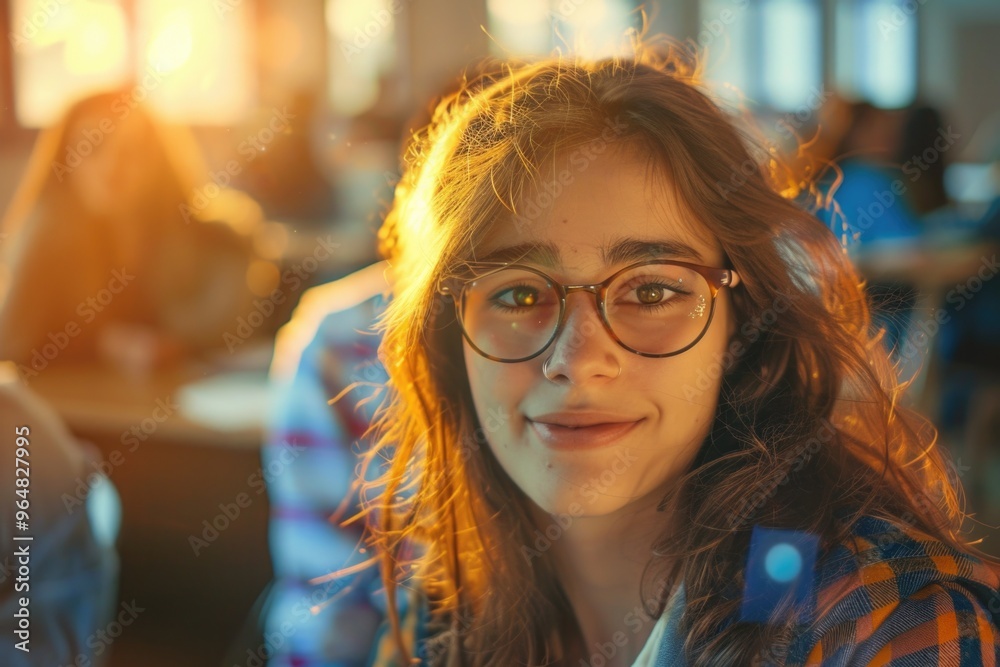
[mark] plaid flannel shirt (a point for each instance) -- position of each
(897, 598)
(309, 462)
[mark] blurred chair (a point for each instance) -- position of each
(969, 347)
(982, 456)
(74, 518)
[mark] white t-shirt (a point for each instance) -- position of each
(647, 656)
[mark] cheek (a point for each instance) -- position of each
(493, 384)
(478, 374)
(498, 392)
(691, 381)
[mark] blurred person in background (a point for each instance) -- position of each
(921, 127)
(120, 247)
(326, 381)
(923, 157)
(68, 572)
(870, 214)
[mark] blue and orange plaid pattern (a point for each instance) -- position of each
(309, 463)
(899, 598)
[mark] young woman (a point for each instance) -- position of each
(624, 361)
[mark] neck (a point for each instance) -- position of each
(600, 562)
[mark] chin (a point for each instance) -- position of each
(573, 503)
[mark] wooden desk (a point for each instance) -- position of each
(97, 399)
(172, 482)
(931, 269)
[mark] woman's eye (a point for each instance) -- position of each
(648, 294)
(518, 297)
(651, 294)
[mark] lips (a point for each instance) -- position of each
(575, 431)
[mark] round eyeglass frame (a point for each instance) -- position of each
(454, 288)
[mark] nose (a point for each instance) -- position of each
(583, 348)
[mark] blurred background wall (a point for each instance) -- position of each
(216, 64)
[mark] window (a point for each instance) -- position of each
(769, 51)
(362, 48)
(63, 51)
(791, 52)
(195, 59)
(876, 54)
(526, 28)
(190, 58)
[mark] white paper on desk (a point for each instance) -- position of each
(227, 402)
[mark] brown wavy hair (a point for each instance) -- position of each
(809, 433)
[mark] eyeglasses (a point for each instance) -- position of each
(656, 308)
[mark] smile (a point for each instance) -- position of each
(572, 437)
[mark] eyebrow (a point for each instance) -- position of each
(621, 251)
(635, 250)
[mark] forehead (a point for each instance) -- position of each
(589, 210)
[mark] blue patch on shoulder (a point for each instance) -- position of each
(780, 572)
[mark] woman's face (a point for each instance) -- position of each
(660, 409)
